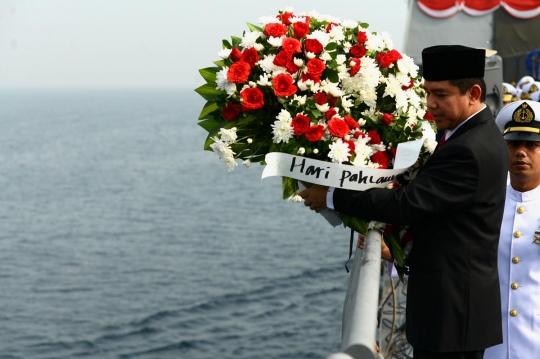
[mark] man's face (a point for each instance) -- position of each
(524, 159)
(446, 104)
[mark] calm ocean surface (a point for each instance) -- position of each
(121, 238)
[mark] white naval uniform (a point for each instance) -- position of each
(519, 275)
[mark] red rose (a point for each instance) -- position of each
(331, 100)
(315, 67)
(362, 37)
(292, 45)
(389, 228)
(359, 134)
(252, 99)
(291, 67)
(387, 118)
(286, 17)
(283, 85)
(275, 30)
(306, 77)
(428, 116)
(356, 67)
(230, 111)
(338, 128)
(351, 145)
(395, 55)
(313, 45)
(235, 54)
(330, 113)
(238, 72)
(411, 84)
(375, 138)
(300, 124)
(407, 237)
(351, 122)
(315, 133)
(381, 158)
(384, 59)
(330, 26)
(282, 58)
(320, 98)
(300, 29)
(357, 50)
(251, 56)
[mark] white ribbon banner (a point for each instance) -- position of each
(341, 176)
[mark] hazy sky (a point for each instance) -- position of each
(145, 43)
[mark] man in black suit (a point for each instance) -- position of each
(454, 207)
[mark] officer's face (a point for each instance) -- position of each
(446, 104)
(524, 161)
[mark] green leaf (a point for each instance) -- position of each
(364, 25)
(331, 75)
(395, 247)
(208, 125)
(289, 186)
(220, 63)
(226, 44)
(209, 74)
(332, 46)
(207, 109)
(236, 40)
(357, 224)
(254, 28)
(209, 92)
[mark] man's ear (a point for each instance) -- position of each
(475, 92)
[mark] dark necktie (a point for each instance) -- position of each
(442, 139)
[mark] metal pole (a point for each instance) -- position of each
(362, 301)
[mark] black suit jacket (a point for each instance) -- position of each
(455, 207)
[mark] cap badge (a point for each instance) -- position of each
(523, 114)
(536, 238)
(533, 88)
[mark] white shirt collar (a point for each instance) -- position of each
(451, 132)
(523, 196)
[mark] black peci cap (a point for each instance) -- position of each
(452, 62)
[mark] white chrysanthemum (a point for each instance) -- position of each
(302, 86)
(378, 147)
(310, 55)
(362, 152)
(267, 65)
(370, 72)
(325, 56)
(222, 83)
(301, 151)
(414, 99)
(300, 99)
(288, 9)
(430, 144)
(275, 41)
(224, 151)
(264, 80)
(224, 53)
(331, 88)
(284, 116)
(298, 62)
(296, 19)
(247, 163)
(340, 59)
(295, 198)
(376, 225)
(336, 33)
(372, 113)
(339, 151)
(393, 86)
(321, 36)
(282, 130)
(347, 45)
(230, 162)
(407, 65)
(250, 39)
(387, 40)
(349, 24)
(346, 103)
(374, 42)
(402, 100)
(228, 136)
(264, 20)
(427, 131)
(403, 78)
(421, 113)
(322, 108)
(369, 96)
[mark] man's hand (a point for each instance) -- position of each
(385, 251)
(315, 197)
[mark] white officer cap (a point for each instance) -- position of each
(535, 96)
(524, 80)
(520, 121)
(509, 92)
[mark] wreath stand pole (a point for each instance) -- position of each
(362, 302)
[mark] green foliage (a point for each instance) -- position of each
(254, 28)
(208, 109)
(209, 74)
(289, 186)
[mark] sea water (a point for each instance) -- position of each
(121, 238)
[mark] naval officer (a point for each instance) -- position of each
(519, 244)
